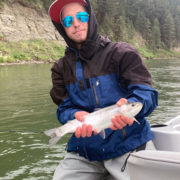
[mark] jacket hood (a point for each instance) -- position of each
(92, 28)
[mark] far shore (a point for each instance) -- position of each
(26, 62)
(51, 62)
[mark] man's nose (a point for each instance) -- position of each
(76, 22)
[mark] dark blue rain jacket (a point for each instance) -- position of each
(97, 76)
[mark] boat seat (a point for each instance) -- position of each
(154, 165)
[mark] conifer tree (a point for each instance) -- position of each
(177, 29)
(141, 23)
(178, 10)
(106, 26)
(156, 20)
(101, 11)
(120, 29)
(130, 30)
(162, 8)
(147, 30)
(112, 10)
(155, 40)
(168, 31)
(133, 7)
(149, 9)
(94, 6)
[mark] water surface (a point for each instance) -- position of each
(26, 105)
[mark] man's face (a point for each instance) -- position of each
(77, 32)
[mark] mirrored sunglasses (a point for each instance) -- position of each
(81, 16)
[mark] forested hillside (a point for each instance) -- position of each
(152, 26)
(158, 21)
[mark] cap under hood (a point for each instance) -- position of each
(92, 28)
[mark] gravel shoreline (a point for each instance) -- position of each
(26, 62)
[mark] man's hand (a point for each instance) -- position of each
(120, 122)
(86, 130)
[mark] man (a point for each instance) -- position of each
(96, 73)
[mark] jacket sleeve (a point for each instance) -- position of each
(136, 79)
(144, 94)
(59, 94)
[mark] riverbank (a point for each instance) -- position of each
(39, 51)
(147, 53)
(32, 51)
(26, 62)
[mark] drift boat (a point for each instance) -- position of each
(163, 164)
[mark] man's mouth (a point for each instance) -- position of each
(79, 31)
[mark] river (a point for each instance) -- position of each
(25, 105)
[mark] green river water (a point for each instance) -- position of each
(25, 105)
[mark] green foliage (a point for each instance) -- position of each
(149, 9)
(158, 21)
(11, 59)
(177, 28)
(169, 31)
(130, 30)
(155, 38)
(36, 49)
(2, 60)
(20, 55)
(120, 29)
(146, 52)
(107, 26)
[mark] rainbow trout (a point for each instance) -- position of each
(99, 120)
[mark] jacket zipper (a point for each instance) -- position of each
(96, 97)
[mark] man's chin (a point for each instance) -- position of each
(78, 42)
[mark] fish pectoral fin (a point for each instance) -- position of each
(117, 114)
(136, 120)
(101, 132)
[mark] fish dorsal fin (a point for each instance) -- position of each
(101, 132)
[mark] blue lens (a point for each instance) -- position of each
(67, 21)
(81, 16)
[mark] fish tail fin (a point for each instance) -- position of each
(57, 133)
(54, 138)
(51, 132)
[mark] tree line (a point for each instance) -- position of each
(158, 21)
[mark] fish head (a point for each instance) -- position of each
(131, 109)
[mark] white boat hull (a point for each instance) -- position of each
(163, 164)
